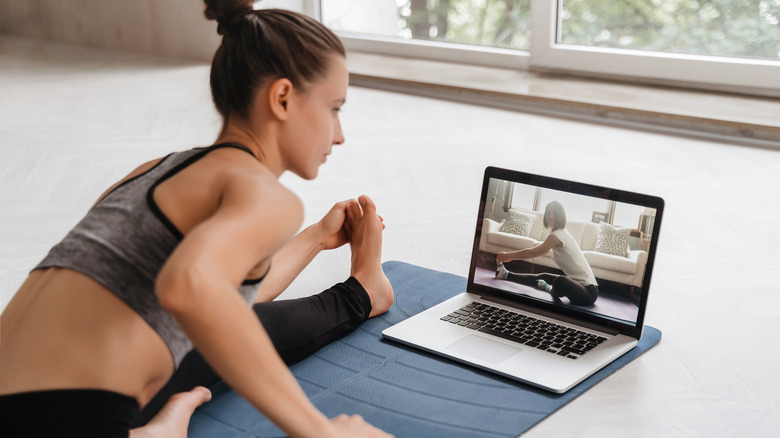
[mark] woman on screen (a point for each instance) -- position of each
(578, 283)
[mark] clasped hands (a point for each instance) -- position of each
(341, 221)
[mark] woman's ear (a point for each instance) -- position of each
(279, 94)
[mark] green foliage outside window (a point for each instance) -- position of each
(496, 23)
(713, 27)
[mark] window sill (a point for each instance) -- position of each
(748, 120)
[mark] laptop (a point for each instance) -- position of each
(548, 337)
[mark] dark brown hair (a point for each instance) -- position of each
(261, 45)
(559, 216)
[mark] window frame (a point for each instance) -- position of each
(436, 50)
(754, 76)
(740, 75)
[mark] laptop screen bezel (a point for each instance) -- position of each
(611, 194)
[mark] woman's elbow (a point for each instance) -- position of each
(175, 287)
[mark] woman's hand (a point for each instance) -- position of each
(334, 226)
(332, 231)
(355, 426)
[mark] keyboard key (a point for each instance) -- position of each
(499, 334)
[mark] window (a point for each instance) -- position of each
(745, 28)
(504, 24)
(487, 32)
(627, 215)
(523, 196)
(647, 39)
(723, 44)
(578, 208)
(504, 195)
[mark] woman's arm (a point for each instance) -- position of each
(529, 253)
(198, 285)
(289, 262)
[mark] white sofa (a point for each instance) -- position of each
(627, 270)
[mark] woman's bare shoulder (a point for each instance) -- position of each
(255, 190)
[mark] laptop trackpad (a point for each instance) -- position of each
(484, 349)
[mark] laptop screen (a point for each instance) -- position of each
(570, 248)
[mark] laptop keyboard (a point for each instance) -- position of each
(527, 330)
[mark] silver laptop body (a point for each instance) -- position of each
(605, 330)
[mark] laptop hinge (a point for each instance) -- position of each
(563, 318)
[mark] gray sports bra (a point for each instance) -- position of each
(124, 240)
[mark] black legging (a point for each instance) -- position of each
(296, 327)
(562, 286)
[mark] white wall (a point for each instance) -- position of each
(175, 28)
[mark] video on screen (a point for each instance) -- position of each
(568, 249)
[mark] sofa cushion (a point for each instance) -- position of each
(537, 230)
(610, 262)
(513, 241)
(590, 233)
(517, 223)
(612, 240)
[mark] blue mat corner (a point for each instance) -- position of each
(403, 391)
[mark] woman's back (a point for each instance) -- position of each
(570, 259)
(64, 330)
(79, 332)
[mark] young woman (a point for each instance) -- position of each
(578, 284)
(171, 255)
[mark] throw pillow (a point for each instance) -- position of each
(517, 223)
(612, 240)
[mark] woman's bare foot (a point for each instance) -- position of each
(365, 241)
(174, 418)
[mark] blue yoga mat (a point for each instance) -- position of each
(401, 390)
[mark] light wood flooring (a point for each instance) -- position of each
(73, 120)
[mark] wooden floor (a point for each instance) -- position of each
(73, 120)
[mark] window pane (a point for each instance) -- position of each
(627, 215)
(741, 28)
(523, 196)
(577, 207)
(496, 23)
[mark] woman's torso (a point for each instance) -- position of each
(569, 257)
(63, 329)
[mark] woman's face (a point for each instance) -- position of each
(313, 126)
(549, 218)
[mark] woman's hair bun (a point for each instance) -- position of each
(227, 12)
